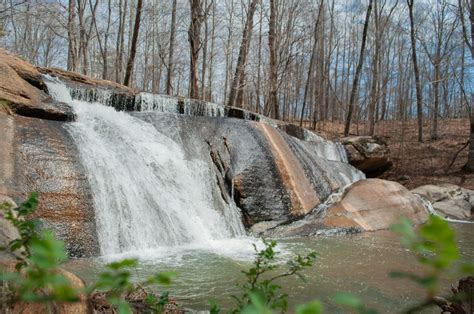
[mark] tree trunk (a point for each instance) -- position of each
(434, 125)
(355, 84)
(235, 95)
(272, 101)
(194, 38)
(169, 74)
(71, 33)
(204, 55)
(419, 96)
(374, 92)
(120, 41)
(311, 62)
(469, 166)
(133, 48)
(211, 58)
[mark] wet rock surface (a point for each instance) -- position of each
(369, 154)
(253, 165)
(39, 155)
(449, 200)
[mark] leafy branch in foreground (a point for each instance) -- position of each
(264, 295)
(27, 229)
(38, 277)
(434, 246)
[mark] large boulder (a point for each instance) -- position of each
(369, 154)
(375, 204)
(448, 200)
(366, 205)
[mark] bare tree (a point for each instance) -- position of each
(133, 48)
(169, 76)
(198, 13)
(355, 83)
(239, 77)
(419, 96)
(311, 62)
(469, 166)
(72, 41)
(272, 100)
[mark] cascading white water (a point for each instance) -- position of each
(146, 193)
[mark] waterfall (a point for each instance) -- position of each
(146, 192)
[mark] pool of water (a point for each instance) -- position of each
(359, 264)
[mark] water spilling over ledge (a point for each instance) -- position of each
(232, 171)
(175, 171)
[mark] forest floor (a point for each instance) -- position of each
(415, 163)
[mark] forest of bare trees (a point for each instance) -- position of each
(306, 61)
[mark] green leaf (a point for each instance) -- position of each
(125, 263)
(314, 307)
(163, 278)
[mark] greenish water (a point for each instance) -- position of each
(358, 264)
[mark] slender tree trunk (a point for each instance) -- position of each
(204, 56)
(259, 66)
(169, 74)
(120, 41)
(211, 59)
(419, 96)
(71, 32)
(311, 62)
(272, 101)
(469, 166)
(374, 93)
(239, 77)
(434, 125)
(194, 38)
(228, 51)
(355, 84)
(133, 48)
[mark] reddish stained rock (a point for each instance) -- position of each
(39, 155)
(22, 91)
(87, 80)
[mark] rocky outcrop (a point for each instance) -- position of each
(270, 175)
(368, 154)
(449, 200)
(367, 205)
(22, 91)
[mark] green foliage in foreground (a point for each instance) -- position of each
(264, 295)
(38, 277)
